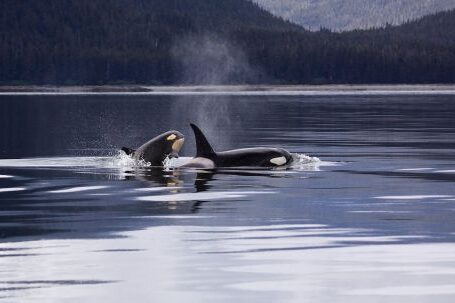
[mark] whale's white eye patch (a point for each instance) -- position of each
(278, 161)
(171, 137)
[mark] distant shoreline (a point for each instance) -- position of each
(446, 89)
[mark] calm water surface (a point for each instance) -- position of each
(365, 215)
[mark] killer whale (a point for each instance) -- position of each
(157, 149)
(207, 158)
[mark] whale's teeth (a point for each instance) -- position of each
(278, 161)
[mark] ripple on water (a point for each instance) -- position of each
(412, 197)
(11, 189)
(202, 196)
(446, 171)
(77, 189)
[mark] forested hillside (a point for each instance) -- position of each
(353, 14)
(101, 41)
(432, 30)
(208, 42)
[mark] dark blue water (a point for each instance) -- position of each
(366, 214)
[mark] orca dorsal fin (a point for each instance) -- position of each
(203, 147)
(128, 151)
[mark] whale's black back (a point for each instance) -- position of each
(258, 157)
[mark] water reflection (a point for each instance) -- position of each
(372, 220)
(196, 263)
(112, 193)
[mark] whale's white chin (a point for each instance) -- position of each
(177, 145)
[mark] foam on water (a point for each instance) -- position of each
(305, 162)
(121, 159)
(305, 159)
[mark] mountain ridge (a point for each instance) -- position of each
(342, 15)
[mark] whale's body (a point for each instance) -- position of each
(207, 158)
(156, 150)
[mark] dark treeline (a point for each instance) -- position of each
(69, 42)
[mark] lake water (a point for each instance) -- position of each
(365, 215)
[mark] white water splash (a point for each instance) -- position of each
(305, 159)
(305, 162)
(122, 160)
